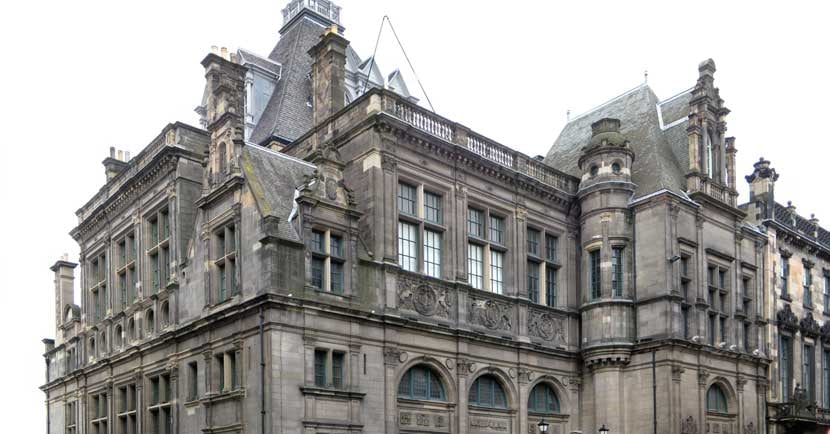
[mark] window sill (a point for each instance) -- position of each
(225, 395)
(344, 393)
(786, 297)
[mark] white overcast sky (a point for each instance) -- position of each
(80, 76)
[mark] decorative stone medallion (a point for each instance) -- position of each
(491, 314)
(424, 299)
(547, 326)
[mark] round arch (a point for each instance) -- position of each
(504, 380)
(446, 377)
(559, 388)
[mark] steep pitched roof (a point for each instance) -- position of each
(782, 215)
(288, 114)
(273, 179)
(656, 132)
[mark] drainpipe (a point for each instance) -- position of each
(654, 387)
(262, 370)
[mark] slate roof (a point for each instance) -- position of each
(273, 178)
(287, 114)
(782, 215)
(266, 64)
(656, 131)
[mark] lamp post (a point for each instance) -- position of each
(543, 426)
(603, 430)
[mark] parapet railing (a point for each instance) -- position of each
(491, 150)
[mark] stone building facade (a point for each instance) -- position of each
(324, 255)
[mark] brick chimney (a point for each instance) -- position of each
(64, 290)
(328, 74)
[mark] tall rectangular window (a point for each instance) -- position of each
(475, 265)
(496, 229)
(225, 261)
(407, 198)
(158, 251)
(320, 359)
(747, 336)
(327, 261)
(432, 208)
(432, 253)
(533, 242)
(826, 294)
(71, 418)
(533, 281)
(337, 369)
(808, 286)
(475, 222)
(685, 312)
(785, 364)
(594, 279)
(808, 372)
(336, 277)
(193, 380)
(785, 275)
(617, 271)
(99, 411)
(159, 407)
(723, 329)
(408, 246)
(550, 286)
(126, 269)
(318, 267)
(825, 377)
(127, 415)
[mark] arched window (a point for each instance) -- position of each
(68, 314)
(594, 170)
(486, 391)
(117, 336)
(615, 167)
(543, 399)
(716, 399)
(102, 343)
(421, 382)
(151, 321)
(165, 314)
(131, 330)
(92, 351)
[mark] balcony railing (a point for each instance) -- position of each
(462, 136)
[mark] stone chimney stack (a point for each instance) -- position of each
(328, 74)
(762, 187)
(223, 115)
(114, 164)
(64, 290)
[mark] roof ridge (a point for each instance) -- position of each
(626, 93)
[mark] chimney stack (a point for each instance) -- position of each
(328, 74)
(64, 290)
(762, 187)
(114, 164)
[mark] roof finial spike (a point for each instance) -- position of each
(568, 115)
(645, 75)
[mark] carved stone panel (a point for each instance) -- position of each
(489, 424)
(688, 426)
(426, 298)
(546, 326)
(492, 314)
(421, 420)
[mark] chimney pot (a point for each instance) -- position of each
(112, 151)
(120, 155)
(126, 155)
(225, 53)
(214, 49)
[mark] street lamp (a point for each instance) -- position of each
(603, 430)
(543, 426)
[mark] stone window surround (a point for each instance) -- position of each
(224, 379)
(126, 412)
(542, 258)
(162, 404)
(311, 346)
(328, 257)
(419, 219)
(98, 411)
(487, 245)
(95, 282)
(155, 246)
(228, 258)
(129, 268)
(231, 216)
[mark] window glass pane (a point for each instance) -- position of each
(336, 246)
(320, 368)
(497, 272)
(551, 245)
(432, 253)
(432, 207)
(405, 386)
(436, 389)
(317, 269)
(617, 271)
(475, 266)
(407, 196)
(496, 229)
(317, 241)
(550, 286)
(408, 246)
(475, 222)
(594, 271)
(337, 370)
(336, 277)
(419, 383)
(533, 241)
(533, 281)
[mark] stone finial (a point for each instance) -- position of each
(707, 67)
(813, 220)
(763, 170)
(790, 207)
